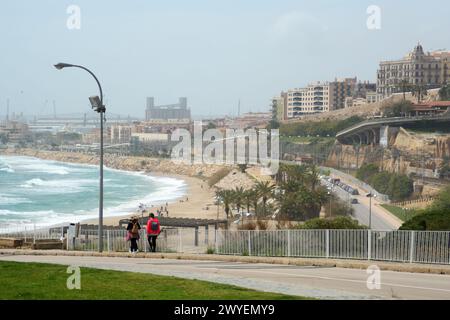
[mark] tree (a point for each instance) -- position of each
(265, 191)
(405, 86)
(444, 93)
(227, 198)
(366, 171)
(238, 198)
(419, 91)
(400, 187)
(398, 109)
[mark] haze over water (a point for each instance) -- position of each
(43, 192)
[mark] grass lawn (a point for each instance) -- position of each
(47, 281)
(400, 213)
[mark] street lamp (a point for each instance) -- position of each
(370, 195)
(330, 192)
(97, 105)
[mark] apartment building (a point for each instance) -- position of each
(312, 99)
(418, 68)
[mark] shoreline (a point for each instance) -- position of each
(197, 202)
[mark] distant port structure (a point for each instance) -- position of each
(166, 113)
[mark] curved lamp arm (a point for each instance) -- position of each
(60, 66)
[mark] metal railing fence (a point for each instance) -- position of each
(397, 246)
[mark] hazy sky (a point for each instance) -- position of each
(213, 52)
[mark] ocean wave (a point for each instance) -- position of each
(8, 200)
(59, 186)
(28, 164)
(7, 169)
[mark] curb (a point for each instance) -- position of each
(301, 262)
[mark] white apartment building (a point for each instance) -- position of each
(312, 99)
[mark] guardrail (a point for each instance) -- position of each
(396, 246)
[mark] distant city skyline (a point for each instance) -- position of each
(215, 53)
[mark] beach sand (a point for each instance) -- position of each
(199, 196)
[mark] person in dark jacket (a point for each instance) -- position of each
(133, 234)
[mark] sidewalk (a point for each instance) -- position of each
(330, 263)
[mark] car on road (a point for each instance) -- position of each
(354, 201)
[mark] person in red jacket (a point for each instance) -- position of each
(153, 231)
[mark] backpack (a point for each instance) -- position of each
(135, 229)
(154, 226)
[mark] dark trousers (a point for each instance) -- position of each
(152, 242)
(134, 245)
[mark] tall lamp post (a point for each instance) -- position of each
(97, 105)
(370, 195)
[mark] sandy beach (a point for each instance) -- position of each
(197, 203)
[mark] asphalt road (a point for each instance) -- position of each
(380, 219)
(318, 282)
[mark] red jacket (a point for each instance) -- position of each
(149, 227)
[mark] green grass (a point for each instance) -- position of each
(48, 281)
(308, 140)
(400, 213)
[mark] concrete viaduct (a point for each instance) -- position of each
(379, 131)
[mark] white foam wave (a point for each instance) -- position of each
(8, 200)
(7, 169)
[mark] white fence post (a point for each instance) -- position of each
(180, 243)
(216, 244)
(369, 244)
(289, 243)
(145, 240)
(249, 243)
(412, 246)
(327, 243)
(108, 237)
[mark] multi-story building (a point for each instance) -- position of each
(120, 134)
(279, 107)
(312, 99)
(339, 90)
(167, 113)
(418, 68)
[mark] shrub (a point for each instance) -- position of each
(318, 128)
(262, 224)
(210, 250)
(435, 217)
(334, 223)
(366, 171)
(249, 225)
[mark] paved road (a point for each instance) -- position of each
(319, 282)
(381, 220)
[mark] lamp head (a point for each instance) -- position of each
(61, 65)
(95, 102)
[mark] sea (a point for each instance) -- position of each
(44, 193)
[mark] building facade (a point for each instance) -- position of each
(312, 99)
(279, 107)
(167, 113)
(429, 70)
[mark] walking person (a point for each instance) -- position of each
(133, 234)
(153, 231)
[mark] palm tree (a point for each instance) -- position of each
(419, 91)
(248, 196)
(265, 191)
(405, 85)
(227, 197)
(238, 197)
